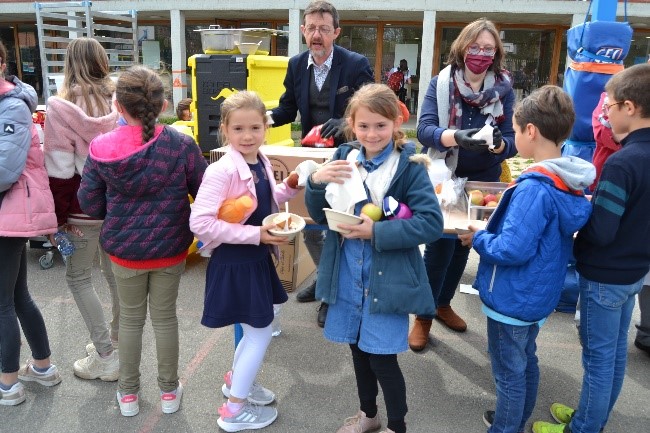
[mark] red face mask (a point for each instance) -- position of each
(478, 63)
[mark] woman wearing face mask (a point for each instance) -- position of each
(472, 91)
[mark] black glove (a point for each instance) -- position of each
(497, 139)
(332, 128)
(464, 139)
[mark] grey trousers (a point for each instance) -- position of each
(79, 277)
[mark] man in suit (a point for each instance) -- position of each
(318, 85)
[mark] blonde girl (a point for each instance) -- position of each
(362, 273)
(82, 111)
(241, 282)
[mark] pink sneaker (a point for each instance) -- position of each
(360, 423)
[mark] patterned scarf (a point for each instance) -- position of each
(488, 100)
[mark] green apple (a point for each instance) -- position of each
(372, 210)
(476, 197)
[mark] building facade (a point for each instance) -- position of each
(421, 31)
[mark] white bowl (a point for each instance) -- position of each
(334, 218)
(292, 232)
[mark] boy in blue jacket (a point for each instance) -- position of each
(612, 256)
(525, 249)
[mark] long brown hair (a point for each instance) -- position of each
(468, 36)
(141, 93)
(86, 68)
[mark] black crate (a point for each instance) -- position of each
(216, 77)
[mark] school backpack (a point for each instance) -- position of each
(396, 80)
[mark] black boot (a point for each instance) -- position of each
(322, 314)
(308, 294)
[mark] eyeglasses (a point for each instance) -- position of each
(476, 49)
(607, 106)
(323, 30)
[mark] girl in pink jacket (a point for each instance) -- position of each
(241, 283)
(26, 210)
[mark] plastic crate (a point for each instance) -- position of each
(217, 76)
(482, 213)
(266, 78)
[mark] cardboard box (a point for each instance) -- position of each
(294, 265)
(284, 160)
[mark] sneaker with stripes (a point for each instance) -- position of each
(249, 417)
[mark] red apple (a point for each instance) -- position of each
(490, 197)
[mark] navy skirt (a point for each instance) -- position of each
(241, 287)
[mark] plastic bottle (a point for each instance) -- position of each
(64, 244)
(275, 325)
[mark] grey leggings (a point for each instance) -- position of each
(79, 277)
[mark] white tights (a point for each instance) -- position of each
(248, 359)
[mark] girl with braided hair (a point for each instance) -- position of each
(137, 178)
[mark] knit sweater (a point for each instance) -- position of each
(614, 246)
(67, 135)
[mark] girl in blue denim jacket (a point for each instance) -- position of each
(373, 276)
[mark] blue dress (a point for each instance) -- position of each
(241, 282)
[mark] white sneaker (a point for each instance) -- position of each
(129, 405)
(257, 395)
(13, 396)
(90, 347)
(171, 401)
(50, 378)
(95, 367)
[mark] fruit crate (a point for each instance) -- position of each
(482, 211)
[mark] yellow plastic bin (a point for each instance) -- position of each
(266, 78)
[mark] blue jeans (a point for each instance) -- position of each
(17, 304)
(445, 261)
(606, 311)
(516, 374)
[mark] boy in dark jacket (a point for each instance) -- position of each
(612, 256)
(525, 249)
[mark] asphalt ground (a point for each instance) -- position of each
(449, 384)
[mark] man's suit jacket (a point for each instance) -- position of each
(348, 73)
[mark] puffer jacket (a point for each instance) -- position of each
(27, 208)
(526, 245)
(398, 280)
(17, 103)
(140, 190)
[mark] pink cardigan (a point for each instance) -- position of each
(230, 177)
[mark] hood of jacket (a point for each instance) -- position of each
(21, 91)
(136, 170)
(66, 115)
(571, 175)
